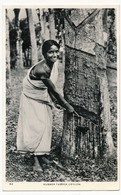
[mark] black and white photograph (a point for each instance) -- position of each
(61, 101)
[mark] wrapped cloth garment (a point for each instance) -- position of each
(34, 130)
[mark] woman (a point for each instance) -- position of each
(35, 118)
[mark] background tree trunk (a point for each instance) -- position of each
(109, 21)
(19, 41)
(44, 24)
(51, 24)
(86, 85)
(8, 72)
(32, 37)
(19, 50)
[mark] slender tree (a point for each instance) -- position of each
(8, 73)
(51, 24)
(109, 23)
(44, 24)
(32, 36)
(18, 40)
(86, 86)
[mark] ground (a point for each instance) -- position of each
(19, 166)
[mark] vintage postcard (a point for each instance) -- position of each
(61, 84)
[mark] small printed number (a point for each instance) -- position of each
(11, 184)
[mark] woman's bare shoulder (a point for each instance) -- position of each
(40, 69)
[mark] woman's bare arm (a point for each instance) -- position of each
(51, 87)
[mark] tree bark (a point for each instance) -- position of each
(51, 24)
(111, 42)
(19, 61)
(86, 86)
(8, 72)
(45, 30)
(32, 36)
(19, 50)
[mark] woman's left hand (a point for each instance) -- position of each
(70, 109)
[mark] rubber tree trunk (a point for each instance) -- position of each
(86, 86)
(32, 36)
(109, 19)
(51, 24)
(19, 41)
(19, 50)
(8, 72)
(44, 24)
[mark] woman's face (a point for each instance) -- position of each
(52, 54)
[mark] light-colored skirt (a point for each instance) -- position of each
(34, 126)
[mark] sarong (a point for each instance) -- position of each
(34, 130)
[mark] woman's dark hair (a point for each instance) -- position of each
(47, 44)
